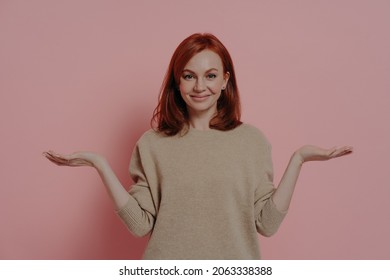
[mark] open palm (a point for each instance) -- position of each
(313, 153)
(75, 159)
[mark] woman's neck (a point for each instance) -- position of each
(201, 121)
(199, 125)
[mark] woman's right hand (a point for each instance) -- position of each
(117, 192)
(75, 159)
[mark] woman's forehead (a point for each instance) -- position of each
(204, 61)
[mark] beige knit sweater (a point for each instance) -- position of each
(204, 195)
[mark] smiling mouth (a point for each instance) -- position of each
(197, 97)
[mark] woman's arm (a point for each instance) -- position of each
(117, 192)
(283, 194)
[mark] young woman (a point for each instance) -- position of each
(203, 179)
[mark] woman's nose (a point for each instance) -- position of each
(200, 85)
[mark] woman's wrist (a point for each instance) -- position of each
(99, 162)
(297, 158)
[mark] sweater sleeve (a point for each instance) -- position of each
(139, 213)
(267, 217)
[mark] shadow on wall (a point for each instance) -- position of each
(112, 239)
(121, 243)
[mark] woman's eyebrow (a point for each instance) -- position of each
(211, 69)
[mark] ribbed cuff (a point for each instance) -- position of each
(134, 218)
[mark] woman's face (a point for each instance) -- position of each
(201, 83)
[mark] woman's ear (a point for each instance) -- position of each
(226, 79)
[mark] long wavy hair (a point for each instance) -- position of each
(171, 114)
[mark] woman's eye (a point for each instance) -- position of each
(211, 76)
(188, 77)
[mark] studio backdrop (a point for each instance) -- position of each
(85, 75)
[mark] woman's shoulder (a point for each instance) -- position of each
(243, 131)
(150, 135)
(252, 131)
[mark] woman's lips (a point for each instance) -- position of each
(199, 97)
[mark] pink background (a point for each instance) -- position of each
(85, 75)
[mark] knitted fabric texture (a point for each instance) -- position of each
(202, 195)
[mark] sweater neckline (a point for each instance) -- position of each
(195, 131)
(210, 132)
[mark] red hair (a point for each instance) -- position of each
(171, 114)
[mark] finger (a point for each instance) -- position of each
(52, 154)
(56, 158)
(332, 152)
(343, 151)
(346, 151)
(49, 155)
(57, 161)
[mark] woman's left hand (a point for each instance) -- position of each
(313, 153)
(75, 159)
